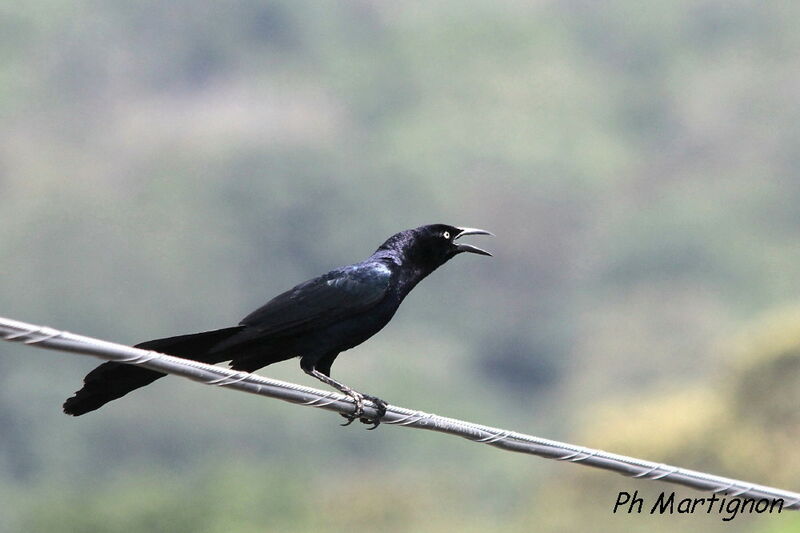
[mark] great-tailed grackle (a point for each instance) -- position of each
(315, 320)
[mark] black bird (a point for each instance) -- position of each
(315, 320)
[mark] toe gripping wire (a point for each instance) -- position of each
(45, 337)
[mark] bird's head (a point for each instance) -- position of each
(431, 246)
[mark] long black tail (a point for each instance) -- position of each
(111, 380)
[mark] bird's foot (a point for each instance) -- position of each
(358, 412)
(358, 399)
(380, 406)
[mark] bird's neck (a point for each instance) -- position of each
(406, 272)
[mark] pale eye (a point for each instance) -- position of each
(446, 234)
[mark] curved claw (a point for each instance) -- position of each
(358, 412)
(380, 406)
(350, 419)
(358, 400)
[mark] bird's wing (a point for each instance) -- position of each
(336, 295)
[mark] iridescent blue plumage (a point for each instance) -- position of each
(315, 320)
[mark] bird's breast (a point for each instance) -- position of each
(353, 331)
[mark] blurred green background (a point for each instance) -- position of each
(166, 167)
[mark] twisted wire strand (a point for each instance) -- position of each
(53, 339)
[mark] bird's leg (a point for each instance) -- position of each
(357, 397)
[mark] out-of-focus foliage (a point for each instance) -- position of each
(742, 424)
(167, 167)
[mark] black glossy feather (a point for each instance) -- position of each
(323, 300)
(315, 320)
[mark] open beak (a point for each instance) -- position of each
(468, 247)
